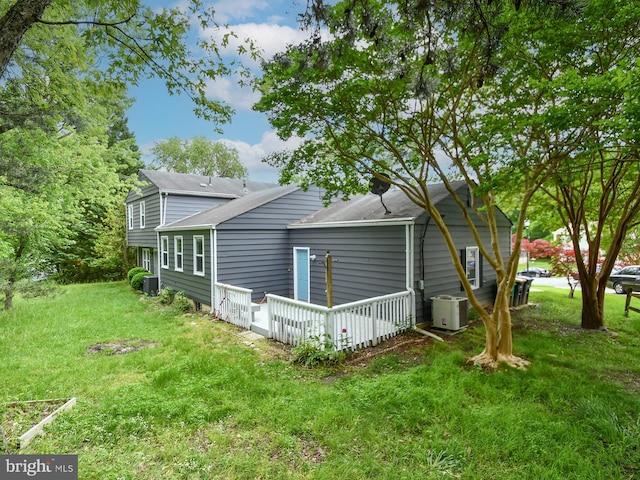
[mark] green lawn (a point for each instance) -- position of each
(205, 403)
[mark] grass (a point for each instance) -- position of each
(198, 401)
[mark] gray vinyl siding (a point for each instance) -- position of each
(440, 277)
(253, 248)
(195, 287)
(145, 237)
(366, 261)
(255, 259)
(180, 206)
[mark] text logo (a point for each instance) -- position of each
(43, 467)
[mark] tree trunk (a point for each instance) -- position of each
(8, 298)
(13, 25)
(592, 304)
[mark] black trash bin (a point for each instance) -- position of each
(526, 287)
(518, 288)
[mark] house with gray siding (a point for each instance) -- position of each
(380, 249)
(275, 241)
(243, 243)
(165, 197)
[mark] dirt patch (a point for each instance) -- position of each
(119, 347)
(407, 346)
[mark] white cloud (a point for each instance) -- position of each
(231, 93)
(251, 155)
(269, 37)
(227, 10)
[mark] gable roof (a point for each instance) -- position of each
(221, 213)
(201, 185)
(367, 209)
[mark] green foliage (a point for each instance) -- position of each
(181, 303)
(198, 156)
(317, 350)
(134, 271)
(137, 281)
(166, 296)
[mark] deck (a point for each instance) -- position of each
(347, 327)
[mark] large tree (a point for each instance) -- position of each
(571, 95)
(199, 156)
(396, 91)
(134, 42)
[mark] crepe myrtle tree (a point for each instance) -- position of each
(396, 91)
(573, 90)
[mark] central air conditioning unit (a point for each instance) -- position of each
(150, 286)
(449, 313)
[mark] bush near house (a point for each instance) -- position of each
(137, 281)
(134, 271)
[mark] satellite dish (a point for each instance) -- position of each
(379, 187)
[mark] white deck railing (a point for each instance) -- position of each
(348, 326)
(233, 305)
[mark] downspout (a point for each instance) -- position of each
(409, 275)
(422, 237)
(159, 273)
(163, 208)
(422, 297)
(213, 243)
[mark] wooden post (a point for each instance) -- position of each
(329, 279)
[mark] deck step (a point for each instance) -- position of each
(260, 329)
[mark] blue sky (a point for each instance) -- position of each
(156, 116)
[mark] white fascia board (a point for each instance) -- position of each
(194, 193)
(189, 228)
(356, 223)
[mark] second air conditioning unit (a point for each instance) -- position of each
(448, 312)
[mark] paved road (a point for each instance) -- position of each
(558, 282)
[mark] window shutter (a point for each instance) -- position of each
(481, 269)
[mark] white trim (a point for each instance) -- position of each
(164, 253)
(130, 216)
(176, 253)
(195, 193)
(146, 263)
(143, 214)
(475, 281)
(355, 223)
(213, 246)
(196, 256)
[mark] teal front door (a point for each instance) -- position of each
(301, 276)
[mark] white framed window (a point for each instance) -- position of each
(146, 259)
(143, 214)
(164, 252)
(198, 255)
(130, 216)
(177, 253)
(472, 266)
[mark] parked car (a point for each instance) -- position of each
(535, 272)
(628, 275)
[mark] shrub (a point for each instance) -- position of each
(181, 303)
(137, 281)
(134, 271)
(317, 350)
(166, 296)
